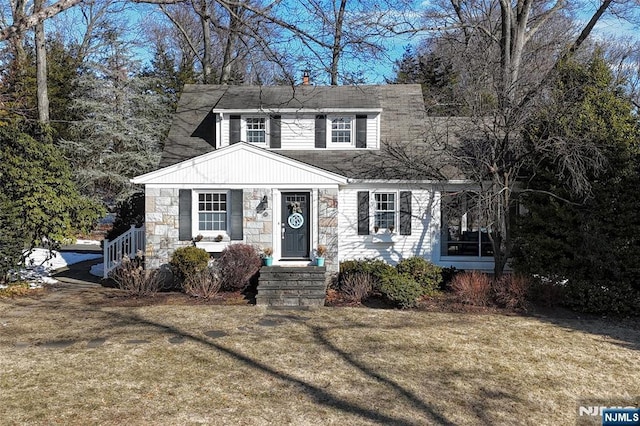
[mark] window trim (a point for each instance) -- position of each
(352, 131)
(244, 128)
(396, 211)
(196, 214)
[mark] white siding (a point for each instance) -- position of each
(240, 165)
(354, 246)
(298, 131)
(424, 240)
(373, 131)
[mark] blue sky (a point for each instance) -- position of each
(377, 71)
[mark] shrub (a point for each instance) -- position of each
(375, 267)
(473, 288)
(402, 290)
(187, 261)
(357, 287)
(203, 284)
(602, 297)
(425, 273)
(548, 291)
(237, 264)
(131, 276)
(512, 291)
(447, 276)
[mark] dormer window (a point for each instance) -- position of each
(256, 130)
(341, 130)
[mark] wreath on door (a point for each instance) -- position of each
(295, 219)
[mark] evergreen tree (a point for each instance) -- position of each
(593, 243)
(39, 202)
(168, 77)
(434, 74)
(122, 123)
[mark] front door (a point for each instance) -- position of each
(295, 225)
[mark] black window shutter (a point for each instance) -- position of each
(184, 215)
(236, 215)
(234, 129)
(275, 126)
(405, 212)
(363, 212)
(361, 131)
(321, 131)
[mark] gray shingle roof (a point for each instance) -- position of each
(309, 97)
(402, 122)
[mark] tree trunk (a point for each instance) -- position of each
(41, 69)
(227, 61)
(206, 42)
(336, 50)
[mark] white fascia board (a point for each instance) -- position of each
(395, 182)
(298, 111)
(283, 186)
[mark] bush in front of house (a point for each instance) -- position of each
(402, 290)
(237, 264)
(425, 273)
(473, 288)
(512, 291)
(357, 287)
(359, 279)
(203, 284)
(131, 277)
(376, 268)
(187, 261)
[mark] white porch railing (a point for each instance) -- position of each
(126, 244)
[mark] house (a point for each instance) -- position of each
(296, 167)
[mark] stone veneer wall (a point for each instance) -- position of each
(328, 226)
(162, 225)
(258, 218)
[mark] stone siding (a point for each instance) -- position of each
(162, 224)
(328, 226)
(258, 217)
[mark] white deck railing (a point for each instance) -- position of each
(126, 244)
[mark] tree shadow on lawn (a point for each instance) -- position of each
(122, 325)
(623, 332)
(315, 392)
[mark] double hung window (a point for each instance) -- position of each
(385, 212)
(212, 211)
(341, 130)
(256, 129)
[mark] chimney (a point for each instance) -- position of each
(305, 78)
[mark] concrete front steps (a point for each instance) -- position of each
(292, 286)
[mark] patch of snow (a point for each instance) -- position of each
(88, 242)
(97, 270)
(41, 263)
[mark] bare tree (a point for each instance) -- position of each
(41, 68)
(504, 54)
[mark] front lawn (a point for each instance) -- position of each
(76, 361)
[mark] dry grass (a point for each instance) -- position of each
(326, 366)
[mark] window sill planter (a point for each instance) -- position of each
(212, 246)
(384, 238)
